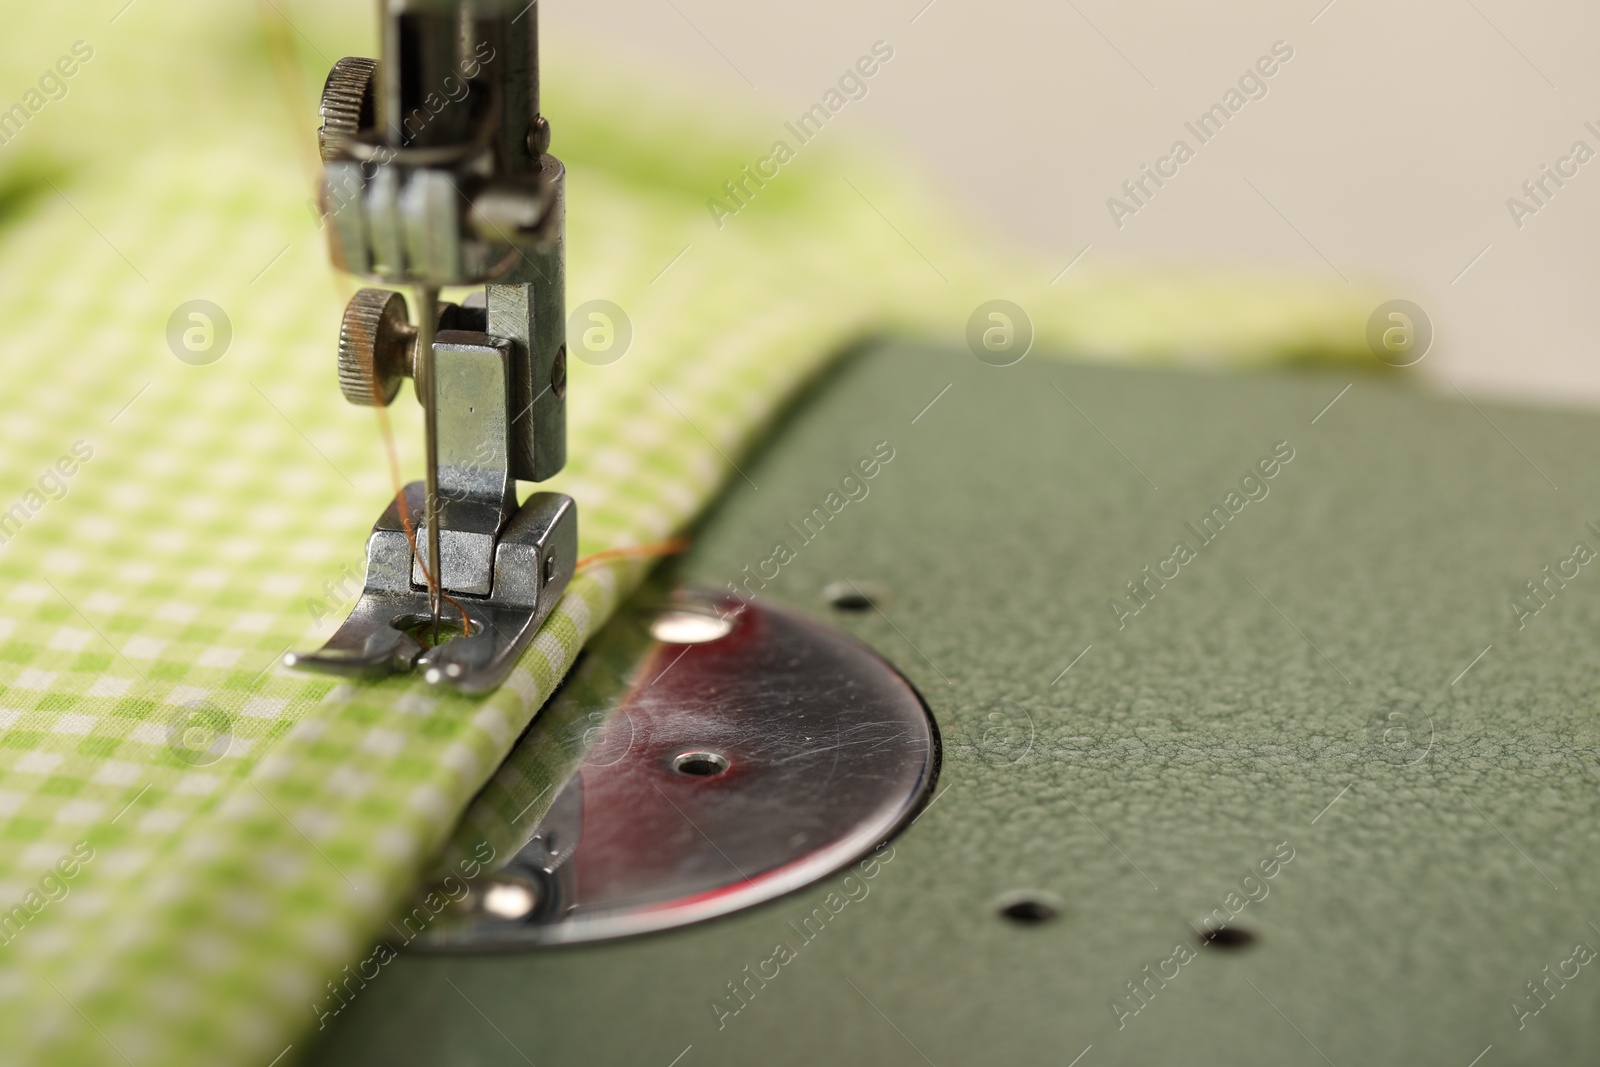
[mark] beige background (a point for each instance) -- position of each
(1390, 141)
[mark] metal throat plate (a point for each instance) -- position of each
(715, 754)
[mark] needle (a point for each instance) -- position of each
(428, 392)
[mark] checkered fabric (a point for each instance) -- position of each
(193, 840)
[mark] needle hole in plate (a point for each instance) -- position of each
(700, 764)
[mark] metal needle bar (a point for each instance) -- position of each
(427, 390)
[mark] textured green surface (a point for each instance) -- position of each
(1178, 752)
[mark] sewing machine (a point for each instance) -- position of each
(1208, 736)
(1298, 788)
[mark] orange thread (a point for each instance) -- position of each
(278, 36)
(662, 548)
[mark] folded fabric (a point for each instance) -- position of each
(193, 840)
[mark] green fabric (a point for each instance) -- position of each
(222, 505)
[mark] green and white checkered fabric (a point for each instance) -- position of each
(193, 840)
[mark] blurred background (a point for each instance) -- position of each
(1385, 149)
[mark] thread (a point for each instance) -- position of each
(278, 38)
(660, 548)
